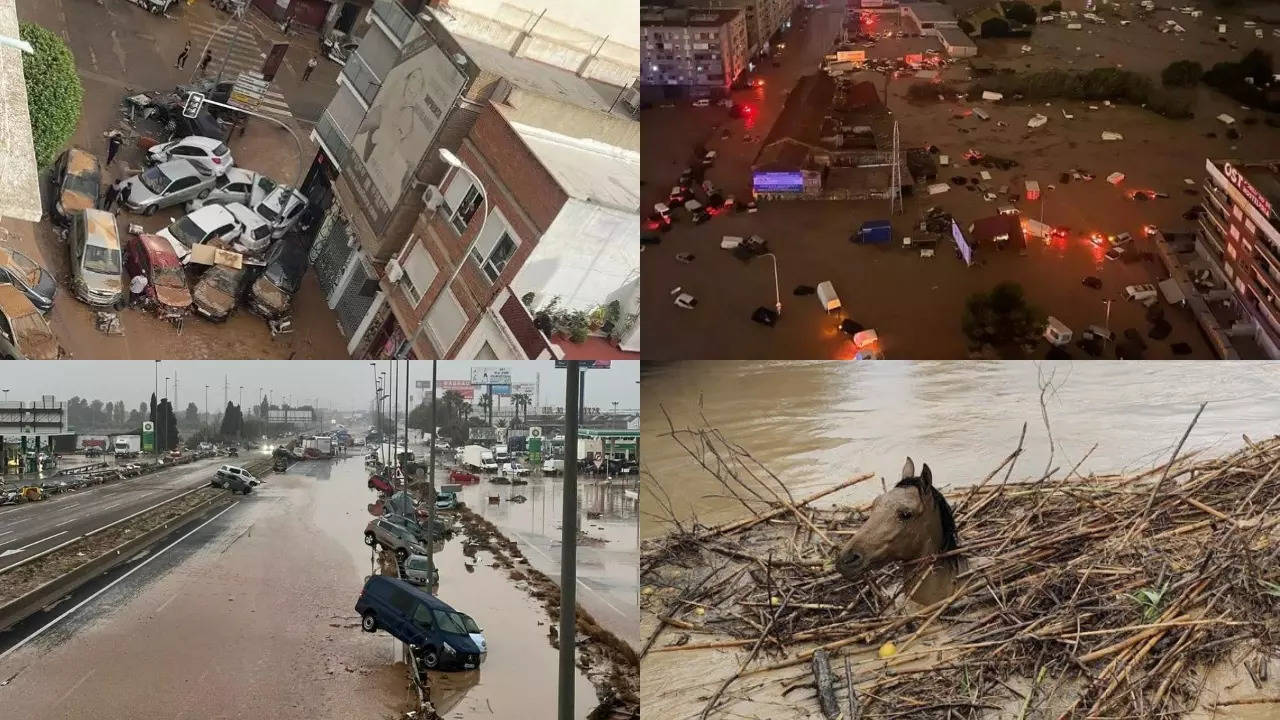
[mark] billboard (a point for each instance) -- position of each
(462, 387)
(400, 126)
(490, 376)
(586, 364)
(778, 181)
(966, 252)
(853, 56)
(500, 389)
(529, 389)
(290, 416)
(482, 433)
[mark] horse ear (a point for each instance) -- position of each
(926, 478)
(909, 470)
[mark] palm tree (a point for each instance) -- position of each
(521, 403)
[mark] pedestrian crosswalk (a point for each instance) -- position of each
(232, 56)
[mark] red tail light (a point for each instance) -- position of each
(217, 161)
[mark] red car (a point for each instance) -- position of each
(152, 257)
(377, 482)
(462, 477)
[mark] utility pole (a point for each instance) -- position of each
(431, 486)
(206, 405)
(569, 540)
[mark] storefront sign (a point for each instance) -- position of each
(1248, 190)
(779, 182)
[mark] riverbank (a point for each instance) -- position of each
(1137, 594)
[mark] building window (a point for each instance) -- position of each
(1249, 226)
(1237, 212)
(1231, 251)
(497, 258)
(419, 271)
(1235, 233)
(461, 200)
(445, 321)
(486, 352)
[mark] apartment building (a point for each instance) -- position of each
(764, 18)
(1239, 234)
(689, 52)
(458, 254)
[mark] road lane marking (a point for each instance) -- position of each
(6, 532)
(556, 563)
(165, 604)
(64, 522)
(112, 584)
(24, 547)
(79, 682)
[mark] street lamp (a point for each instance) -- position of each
(1108, 304)
(777, 297)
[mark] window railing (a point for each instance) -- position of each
(333, 138)
(398, 20)
(362, 79)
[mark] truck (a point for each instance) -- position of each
(552, 467)
(102, 442)
(317, 446)
(479, 459)
(126, 446)
(501, 454)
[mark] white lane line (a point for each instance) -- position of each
(556, 563)
(79, 682)
(108, 507)
(24, 547)
(6, 532)
(112, 584)
(165, 604)
(64, 522)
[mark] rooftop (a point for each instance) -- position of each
(956, 37)
(587, 170)
(931, 12)
(686, 17)
(1264, 176)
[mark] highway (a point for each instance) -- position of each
(32, 528)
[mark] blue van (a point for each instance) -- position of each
(442, 636)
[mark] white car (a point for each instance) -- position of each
(514, 469)
(255, 231)
(281, 207)
(234, 186)
(1141, 293)
(211, 222)
(208, 155)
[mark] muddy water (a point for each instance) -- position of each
(607, 570)
(519, 676)
(815, 424)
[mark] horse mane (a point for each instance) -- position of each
(950, 540)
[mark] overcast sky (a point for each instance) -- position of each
(337, 384)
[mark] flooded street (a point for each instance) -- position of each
(816, 424)
(607, 561)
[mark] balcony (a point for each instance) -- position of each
(362, 79)
(334, 140)
(394, 19)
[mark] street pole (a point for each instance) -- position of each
(155, 412)
(569, 542)
(777, 297)
(1108, 302)
(431, 486)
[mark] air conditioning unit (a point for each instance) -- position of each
(432, 198)
(394, 271)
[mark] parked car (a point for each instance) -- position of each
(24, 333)
(208, 155)
(458, 475)
(377, 482)
(77, 183)
(1141, 293)
(227, 472)
(153, 258)
(273, 291)
(514, 469)
(234, 186)
(93, 244)
(415, 571)
(219, 291)
(209, 224)
(281, 207)
(385, 533)
(255, 232)
(166, 184)
(442, 636)
(27, 276)
(446, 500)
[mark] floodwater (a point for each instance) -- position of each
(608, 574)
(519, 675)
(818, 423)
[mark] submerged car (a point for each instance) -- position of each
(210, 224)
(394, 536)
(93, 245)
(23, 273)
(273, 291)
(440, 635)
(219, 291)
(208, 155)
(77, 183)
(152, 257)
(24, 333)
(166, 184)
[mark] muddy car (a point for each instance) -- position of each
(151, 257)
(93, 244)
(281, 207)
(441, 636)
(24, 333)
(77, 183)
(273, 291)
(390, 535)
(211, 224)
(219, 291)
(208, 155)
(23, 273)
(166, 184)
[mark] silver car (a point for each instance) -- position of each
(281, 208)
(209, 155)
(236, 186)
(381, 531)
(169, 183)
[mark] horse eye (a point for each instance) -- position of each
(904, 515)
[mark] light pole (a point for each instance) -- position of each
(777, 297)
(456, 162)
(206, 405)
(6, 394)
(1108, 303)
(569, 543)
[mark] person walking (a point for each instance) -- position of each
(204, 61)
(123, 198)
(288, 24)
(311, 65)
(113, 145)
(182, 56)
(110, 196)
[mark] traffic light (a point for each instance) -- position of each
(192, 107)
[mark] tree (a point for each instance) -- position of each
(1020, 11)
(520, 401)
(192, 414)
(264, 408)
(995, 27)
(1052, 7)
(1181, 73)
(166, 424)
(54, 93)
(232, 421)
(1001, 318)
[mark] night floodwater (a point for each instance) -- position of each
(817, 423)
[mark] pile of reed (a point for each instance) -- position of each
(1102, 596)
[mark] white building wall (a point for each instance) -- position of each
(585, 257)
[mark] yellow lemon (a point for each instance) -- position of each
(888, 650)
